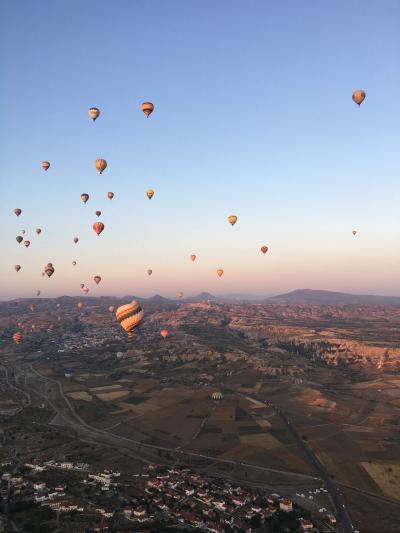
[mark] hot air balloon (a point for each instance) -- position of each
(81, 285)
(76, 239)
(85, 290)
(23, 232)
(264, 249)
(84, 197)
(98, 213)
(149, 272)
(49, 269)
(45, 165)
(129, 316)
(17, 337)
(38, 293)
(58, 306)
(110, 195)
(73, 263)
(17, 211)
(27, 243)
(220, 272)
(193, 257)
(43, 274)
(354, 232)
(79, 305)
(101, 165)
(69, 373)
(149, 193)
(111, 308)
(232, 219)
(17, 268)
(179, 294)
(164, 333)
(358, 96)
(97, 279)
(94, 113)
(38, 231)
(32, 307)
(147, 108)
(19, 239)
(98, 227)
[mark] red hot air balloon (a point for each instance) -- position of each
(164, 333)
(27, 243)
(17, 337)
(98, 227)
(85, 290)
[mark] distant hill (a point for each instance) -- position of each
(310, 296)
(203, 296)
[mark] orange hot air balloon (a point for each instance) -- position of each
(84, 197)
(38, 231)
(220, 272)
(98, 227)
(358, 96)
(73, 263)
(149, 193)
(94, 113)
(27, 243)
(111, 308)
(101, 165)
(17, 337)
(149, 272)
(129, 316)
(147, 108)
(232, 219)
(19, 239)
(164, 333)
(32, 307)
(17, 211)
(193, 257)
(354, 232)
(264, 249)
(97, 279)
(85, 290)
(76, 239)
(98, 213)
(17, 268)
(45, 165)
(179, 294)
(110, 195)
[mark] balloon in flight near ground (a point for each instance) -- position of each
(94, 113)
(129, 316)
(359, 96)
(111, 308)
(149, 271)
(17, 337)
(164, 333)
(110, 195)
(232, 219)
(79, 305)
(98, 213)
(149, 193)
(220, 272)
(58, 305)
(264, 249)
(85, 290)
(45, 165)
(101, 165)
(17, 211)
(193, 257)
(32, 307)
(73, 263)
(97, 279)
(84, 197)
(147, 108)
(27, 243)
(19, 239)
(76, 240)
(98, 227)
(38, 231)
(179, 294)
(17, 268)
(49, 269)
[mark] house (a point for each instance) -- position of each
(39, 486)
(139, 512)
(127, 512)
(286, 505)
(306, 525)
(238, 500)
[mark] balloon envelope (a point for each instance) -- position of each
(359, 96)
(264, 249)
(110, 195)
(193, 257)
(232, 219)
(98, 227)
(94, 113)
(101, 165)
(147, 108)
(149, 193)
(45, 165)
(220, 272)
(84, 197)
(129, 316)
(17, 211)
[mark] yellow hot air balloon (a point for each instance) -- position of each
(45, 165)
(149, 193)
(129, 316)
(101, 165)
(220, 271)
(232, 219)
(193, 257)
(147, 108)
(164, 333)
(84, 197)
(359, 96)
(97, 279)
(264, 249)
(94, 113)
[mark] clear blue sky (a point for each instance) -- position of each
(253, 116)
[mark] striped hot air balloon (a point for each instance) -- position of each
(45, 165)
(98, 227)
(129, 316)
(94, 113)
(147, 108)
(17, 337)
(101, 165)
